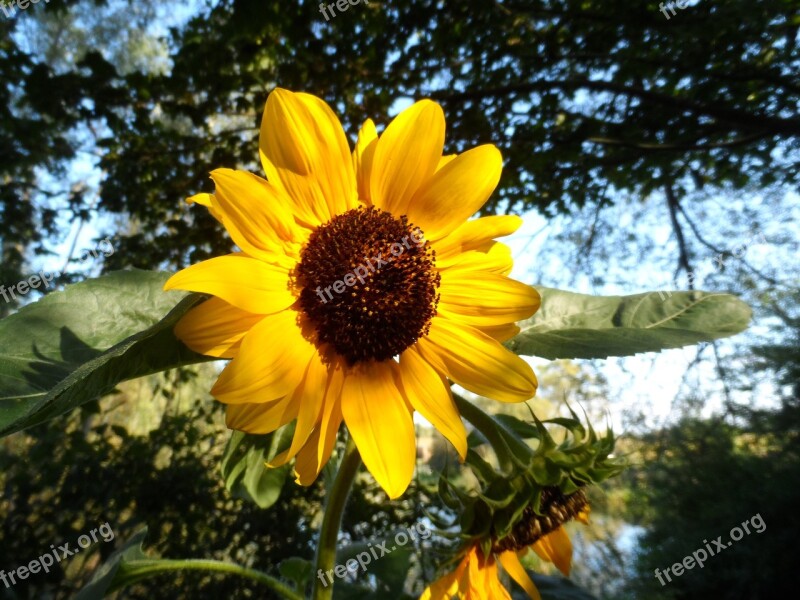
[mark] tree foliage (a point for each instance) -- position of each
(584, 99)
(702, 479)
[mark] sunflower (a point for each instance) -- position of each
(477, 575)
(359, 288)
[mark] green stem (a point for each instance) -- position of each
(332, 521)
(135, 570)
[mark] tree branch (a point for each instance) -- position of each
(743, 119)
(688, 146)
(683, 256)
(726, 253)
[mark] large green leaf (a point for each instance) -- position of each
(244, 469)
(572, 325)
(74, 346)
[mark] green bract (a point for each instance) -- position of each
(580, 460)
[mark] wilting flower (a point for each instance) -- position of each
(360, 287)
(477, 575)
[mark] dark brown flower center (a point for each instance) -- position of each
(555, 508)
(368, 284)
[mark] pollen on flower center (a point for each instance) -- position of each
(369, 286)
(555, 508)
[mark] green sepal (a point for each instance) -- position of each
(511, 451)
(504, 521)
(486, 546)
(574, 426)
(485, 472)
(448, 495)
(545, 472)
(580, 460)
(521, 428)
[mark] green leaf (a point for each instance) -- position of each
(103, 579)
(74, 346)
(297, 570)
(572, 325)
(244, 465)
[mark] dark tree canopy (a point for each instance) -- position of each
(584, 99)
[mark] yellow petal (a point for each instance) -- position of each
(484, 299)
(556, 547)
(514, 568)
(496, 590)
(494, 257)
(484, 583)
(473, 234)
(306, 155)
(501, 333)
(363, 156)
(445, 160)
(215, 328)
(430, 395)
(317, 450)
(256, 216)
(443, 588)
(406, 156)
(477, 362)
(247, 283)
(260, 418)
(446, 586)
(381, 425)
(206, 200)
(310, 397)
(266, 369)
(456, 192)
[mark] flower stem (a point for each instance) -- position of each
(332, 521)
(132, 571)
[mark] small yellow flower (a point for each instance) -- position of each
(360, 287)
(477, 576)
